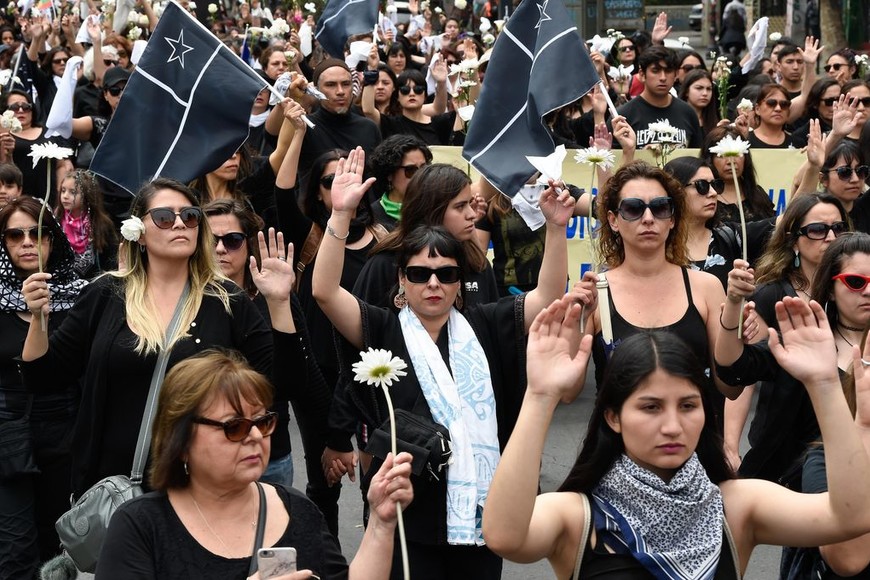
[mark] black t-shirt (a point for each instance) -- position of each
(436, 132)
(147, 540)
(639, 113)
(518, 251)
(860, 213)
(756, 143)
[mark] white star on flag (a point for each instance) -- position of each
(176, 53)
(544, 15)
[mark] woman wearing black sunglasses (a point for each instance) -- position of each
(772, 108)
(394, 162)
(795, 255)
(844, 175)
(456, 362)
(644, 227)
(31, 500)
(113, 334)
(431, 125)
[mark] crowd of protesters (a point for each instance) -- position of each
(264, 279)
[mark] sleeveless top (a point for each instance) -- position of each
(691, 328)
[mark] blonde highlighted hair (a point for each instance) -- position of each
(204, 275)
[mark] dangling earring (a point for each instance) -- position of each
(186, 471)
(458, 301)
(400, 301)
(797, 259)
(141, 249)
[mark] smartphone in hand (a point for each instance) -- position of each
(276, 562)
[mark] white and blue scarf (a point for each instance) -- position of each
(673, 529)
(464, 403)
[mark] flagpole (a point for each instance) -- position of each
(610, 104)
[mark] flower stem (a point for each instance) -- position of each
(593, 250)
(39, 230)
(403, 542)
(742, 236)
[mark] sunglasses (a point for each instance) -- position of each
(819, 231)
(844, 172)
(231, 241)
(703, 185)
(628, 48)
(20, 107)
(422, 274)
(864, 101)
(238, 428)
(689, 67)
(59, 60)
(854, 282)
(326, 180)
(632, 209)
(829, 102)
(115, 91)
(17, 235)
(835, 67)
(108, 62)
(783, 103)
(410, 170)
(164, 217)
(418, 89)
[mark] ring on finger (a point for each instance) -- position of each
(865, 362)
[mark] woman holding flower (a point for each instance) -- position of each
(443, 384)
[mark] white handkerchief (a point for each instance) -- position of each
(757, 41)
(359, 52)
(526, 204)
(551, 165)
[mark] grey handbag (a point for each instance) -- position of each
(82, 529)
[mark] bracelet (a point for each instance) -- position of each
(722, 324)
(332, 233)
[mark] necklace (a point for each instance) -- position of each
(852, 328)
(843, 337)
(211, 529)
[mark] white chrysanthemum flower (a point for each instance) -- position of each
(595, 156)
(488, 39)
(438, 10)
(48, 150)
(132, 228)
(310, 7)
(460, 4)
(290, 55)
(378, 367)
(212, 8)
(620, 73)
(730, 146)
(774, 36)
(665, 132)
(135, 33)
(9, 121)
(465, 113)
(744, 105)
(133, 16)
(466, 84)
(143, 20)
(279, 27)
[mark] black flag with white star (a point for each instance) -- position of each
(184, 111)
(539, 63)
(344, 18)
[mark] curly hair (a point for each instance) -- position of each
(387, 158)
(610, 245)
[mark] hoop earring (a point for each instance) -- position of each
(797, 259)
(457, 303)
(400, 301)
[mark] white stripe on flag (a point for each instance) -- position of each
(500, 133)
(162, 85)
(519, 44)
(187, 110)
(339, 11)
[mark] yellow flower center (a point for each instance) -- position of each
(380, 371)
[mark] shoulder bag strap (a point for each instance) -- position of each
(261, 530)
(584, 535)
(143, 444)
(307, 252)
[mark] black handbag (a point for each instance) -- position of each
(428, 443)
(16, 446)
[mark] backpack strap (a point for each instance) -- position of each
(584, 535)
(307, 253)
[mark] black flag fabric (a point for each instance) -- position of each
(184, 111)
(343, 18)
(539, 63)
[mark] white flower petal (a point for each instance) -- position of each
(730, 146)
(378, 367)
(595, 156)
(132, 228)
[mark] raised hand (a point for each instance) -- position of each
(816, 144)
(624, 133)
(860, 371)
(557, 204)
(602, 138)
(661, 29)
(294, 112)
(438, 66)
(391, 485)
(348, 187)
(374, 58)
(741, 281)
(845, 117)
(806, 351)
(275, 276)
(811, 50)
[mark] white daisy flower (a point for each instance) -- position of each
(730, 146)
(620, 73)
(595, 156)
(48, 150)
(132, 228)
(378, 367)
(664, 130)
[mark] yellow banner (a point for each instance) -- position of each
(775, 169)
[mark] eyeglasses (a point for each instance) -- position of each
(164, 217)
(835, 66)
(17, 235)
(238, 428)
(844, 172)
(115, 91)
(231, 241)
(326, 180)
(702, 186)
(783, 103)
(628, 48)
(687, 68)
(20, 107)
(61, 60)
(632, 209)
(418, 89)
(829, 102)
(819, 231)
(854, 282)
(109, 62)
(422, 274)
(410, 170)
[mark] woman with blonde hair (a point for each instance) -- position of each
(113, 334)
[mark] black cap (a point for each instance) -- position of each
(115, 75)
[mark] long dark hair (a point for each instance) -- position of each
(636, 358)
(844, 247)
(814, 98)
(250, 224)
(102, 228)
(710, 113)
(312, 204)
